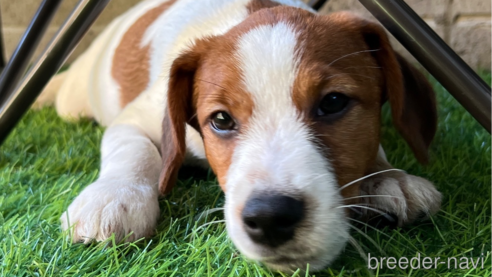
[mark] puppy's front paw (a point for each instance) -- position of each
(109, 207)
(406, 196)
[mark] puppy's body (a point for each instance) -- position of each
(166, 63)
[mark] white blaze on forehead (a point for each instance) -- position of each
(269, 63)
(269, 60)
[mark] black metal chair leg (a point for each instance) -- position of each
(435, 55)
(16, 67)
(62, 45)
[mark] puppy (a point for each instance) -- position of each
(284, 105)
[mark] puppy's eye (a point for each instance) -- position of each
(332, 103)
(222, 121)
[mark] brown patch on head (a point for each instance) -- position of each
(328, 65)
(130, 67)
(218, 88)
(346, 54)
(204, 80)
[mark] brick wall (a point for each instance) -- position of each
(464, 24)
(16, 15)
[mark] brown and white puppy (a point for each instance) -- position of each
(283, 104)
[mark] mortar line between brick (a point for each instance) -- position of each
(448, 21)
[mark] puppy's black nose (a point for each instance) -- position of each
(272, 219)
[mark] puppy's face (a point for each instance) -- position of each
(288, 105)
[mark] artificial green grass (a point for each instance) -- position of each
(46, 162)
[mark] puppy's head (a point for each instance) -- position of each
(288, 104)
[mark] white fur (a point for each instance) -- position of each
(186, 21)
(123, 200)
(279, 147)
(411, 196)
(89, 89)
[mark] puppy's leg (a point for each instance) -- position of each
(406, 196)
(48, 95)
(72, 99)
(124, 199)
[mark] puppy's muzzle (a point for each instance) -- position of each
(271, 220)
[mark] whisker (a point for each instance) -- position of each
(211, 83)
(362, 178)
(364, 204)
(345, 73)
(368, 196)
(334, 75)
(367, 176)
(368, 77)
(322, 175)
(193, 116)
(362, 207)
(354, 53)
(314, 178)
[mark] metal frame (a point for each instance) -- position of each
(435, 55)
(16, 102)
(24, 51)
(398, 18)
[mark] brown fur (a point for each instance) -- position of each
(369, 78)
(418, 120)
(179, 111)
(130, 67)
(219, 89)
(351, 141)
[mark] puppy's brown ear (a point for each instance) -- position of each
(179, 111)
(412, 99)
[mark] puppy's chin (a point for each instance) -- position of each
(312, 249)
(290, 262)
